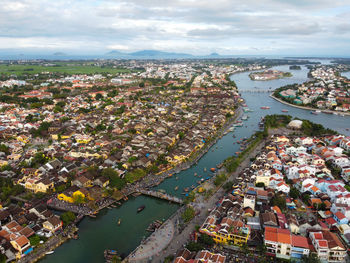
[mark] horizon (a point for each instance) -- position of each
(229, 28)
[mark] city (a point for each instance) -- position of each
(174, 132)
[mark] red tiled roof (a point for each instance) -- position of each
(299, 241)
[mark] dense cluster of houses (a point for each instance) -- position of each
(19, 224)
(314, 217)
(327, 90)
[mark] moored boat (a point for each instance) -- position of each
(284, 110)
(264, 107)
(49, 252)
(140, 208)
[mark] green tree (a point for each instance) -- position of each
(194, 247)
(67, 217)
(294, 193)
(188, 214)
(34, 240)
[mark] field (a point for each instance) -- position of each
(59, 67)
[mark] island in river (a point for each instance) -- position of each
(269, 75)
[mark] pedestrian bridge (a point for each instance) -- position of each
(161, 195)
(256, 91)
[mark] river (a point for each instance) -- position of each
(97, 234)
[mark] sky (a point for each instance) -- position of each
(199, 27)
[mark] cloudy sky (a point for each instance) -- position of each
(242, 27)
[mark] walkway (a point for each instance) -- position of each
(154, 244)
(161, 195)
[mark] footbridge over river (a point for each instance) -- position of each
(161, 195)
(256, 91)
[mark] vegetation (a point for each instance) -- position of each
(220, 179)
(135, 175)
(77, 68)
(189, 214)
(8, 188)
(34, 240)
(67, 218)
(279, 200)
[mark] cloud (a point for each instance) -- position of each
(197, 26)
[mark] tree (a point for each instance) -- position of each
(312, 258)
(279, 201)
(194, 247)
(189, 214)
(294, 193)
(260, 184)
(34, 240)
(68, 217)
(206, 240)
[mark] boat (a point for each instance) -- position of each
(177, 178)
(315, 112)
(205, 169)
(49, 252)
(170, 175)
(186, 189)
(264, 107)
(284, 110)
(244, 117)
(212, 169)
(195, 174)
(119, 222)
(140, 208)
(176, 187)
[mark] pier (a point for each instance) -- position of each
(161, 195)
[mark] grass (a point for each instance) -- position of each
(59, 68)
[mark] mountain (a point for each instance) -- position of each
(115, 53)
(59, 54)
(148, 54)
(214, 55)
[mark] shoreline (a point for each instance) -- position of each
(308, 108)
(161, 177)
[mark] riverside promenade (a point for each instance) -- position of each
(309, 108)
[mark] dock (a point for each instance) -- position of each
(161, 195)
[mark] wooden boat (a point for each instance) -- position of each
(177, 178)
(49, 252)
(119, 222)
(212, 169)
(195, 174)
(186, 189)
(170, 175)
(140, 208)
(284, 110)
(176, 187)
(205, 169)
(265, 107)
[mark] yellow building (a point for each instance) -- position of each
(263, 179)
(74, 193)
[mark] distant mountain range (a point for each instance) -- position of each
(156, 54)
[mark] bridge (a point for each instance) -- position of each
(256, 91)
(161, 195)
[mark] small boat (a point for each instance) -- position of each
(140, 208)
(315, 112)
(212, 169)
(195, 174)
(49, 252)
(170, 175)
(205, 169)
(264, 107)
(186, 189)
(176, 187)
(177, 178)
(119, 222)
(284, 110)
(109, 207)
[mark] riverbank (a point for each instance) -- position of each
(156, 179)
(310, 108)
(203, 206)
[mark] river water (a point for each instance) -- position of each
(97, 234)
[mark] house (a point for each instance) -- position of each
(278, 242)
(268, 219)
(340, 218)
(300, 247)
(102, 181)
(53, 224)
(320, 244)
(22, 245)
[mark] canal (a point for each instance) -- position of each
(97, 234)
